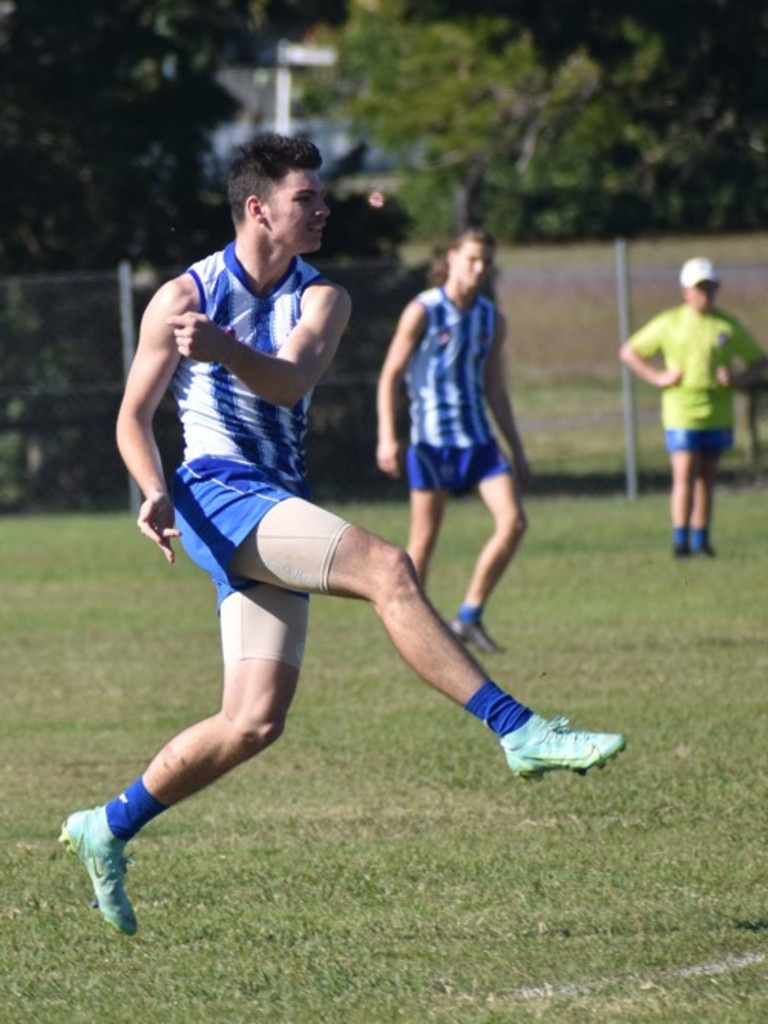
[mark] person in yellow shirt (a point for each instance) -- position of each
(696, 354)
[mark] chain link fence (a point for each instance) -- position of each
(66, 340)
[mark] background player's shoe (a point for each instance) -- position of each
(543, 746)
(87, 835)
(473, 633)
(706, 550)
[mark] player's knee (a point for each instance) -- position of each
(252, 737)
(397, 571)
(512, 529)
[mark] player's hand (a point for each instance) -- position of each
(156, 518)
(669, 378)
(388, 458)
(724, 376)
(199, 338)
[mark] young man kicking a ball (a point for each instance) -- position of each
(241, 338)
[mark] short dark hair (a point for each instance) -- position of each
(265, 161)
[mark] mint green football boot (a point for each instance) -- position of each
(87, 835)
(543, 745)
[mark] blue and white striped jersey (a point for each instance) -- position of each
(445, 375)
(220, 416)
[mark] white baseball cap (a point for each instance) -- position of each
(695, 271)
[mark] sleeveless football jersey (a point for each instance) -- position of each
(220, 416)
(445, 375)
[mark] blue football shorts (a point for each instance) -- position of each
(708, 442)
(457, 470)
(218, 503)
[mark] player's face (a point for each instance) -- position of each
(701, 297)
(470, 264)
(296, 211)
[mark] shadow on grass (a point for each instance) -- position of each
(545, 484)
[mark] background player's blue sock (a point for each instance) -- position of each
(470, 613)
(500, 711)
(680, 536)
(699, 539)
(131, 811)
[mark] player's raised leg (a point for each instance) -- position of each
(365, 566)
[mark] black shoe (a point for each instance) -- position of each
(705, 550)
(681, 551)
(473, 633)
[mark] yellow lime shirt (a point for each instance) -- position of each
(697, 344)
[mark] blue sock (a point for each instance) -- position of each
(699, 539)
(131, 811)
(470, 613)
(680, 536)
(500, 711)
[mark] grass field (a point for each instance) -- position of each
(380, 864)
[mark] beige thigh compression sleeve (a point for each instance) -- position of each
(264, 622)
(293, 547)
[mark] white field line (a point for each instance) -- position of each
(552, 991)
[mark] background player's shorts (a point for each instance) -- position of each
(458, 470)
(709, 442)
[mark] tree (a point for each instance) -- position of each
(691, 79)
(105, 112)
(447, 97)
(569, 119)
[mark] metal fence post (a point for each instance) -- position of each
(630, 440)
(128, 332)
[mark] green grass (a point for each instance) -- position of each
(379, 864)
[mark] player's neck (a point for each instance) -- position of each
(462, 298)
(264, 266)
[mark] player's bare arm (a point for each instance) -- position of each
(647, 370)
(408, 334)
(153, 366)
(303, 359)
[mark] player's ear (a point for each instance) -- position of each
(254, 208)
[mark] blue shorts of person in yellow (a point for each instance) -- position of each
(458, 470)
(708, 442)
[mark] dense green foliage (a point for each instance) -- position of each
(104, 115)
(547, 120)
(569, 121)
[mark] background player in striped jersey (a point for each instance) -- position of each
(449, 348)
(241, 338)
